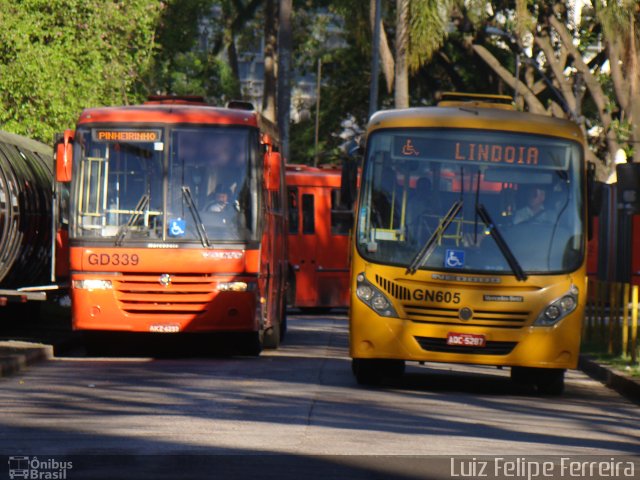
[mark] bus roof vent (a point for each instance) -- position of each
(478, 100)
(175, 100)
(240, 105)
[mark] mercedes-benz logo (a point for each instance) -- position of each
(165, 279)
(465, 313)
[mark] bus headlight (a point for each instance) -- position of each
(234, 286)
(374, 298)
(365, 292)
(558, 309)
(92, 284)
(379, 303)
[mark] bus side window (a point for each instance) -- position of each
(294, 224)
(341, 216)
(308, 214)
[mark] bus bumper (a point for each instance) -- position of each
(373, 336)
(170, 311)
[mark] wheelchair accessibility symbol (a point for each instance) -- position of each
(177, 227)
(454, 258)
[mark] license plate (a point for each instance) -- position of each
(164, 328)
(466, 339)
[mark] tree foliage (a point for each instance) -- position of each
(60, 56)
(565, 72)
(186, 57)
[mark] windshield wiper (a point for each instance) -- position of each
(425, 252)
(502, 244)
(143, 203)
(186, 193)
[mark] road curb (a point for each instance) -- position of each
(619, 381)
(16, 355)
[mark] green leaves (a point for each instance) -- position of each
(60, 56)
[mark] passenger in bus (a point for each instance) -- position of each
(534, 208)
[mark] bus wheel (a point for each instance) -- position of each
(547, 381)
(283, 324)
(249, 344)
(550, 381)
(272, 336)
(372, 371)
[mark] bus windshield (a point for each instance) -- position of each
(186, 184)
(473, 201)
(211, 184)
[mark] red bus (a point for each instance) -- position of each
(319, 229)
(176, 221)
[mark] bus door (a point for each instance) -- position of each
(303, 243)
(332, 249)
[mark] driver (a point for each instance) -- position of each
(225, 161)
(534, 208)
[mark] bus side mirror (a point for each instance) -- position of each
(628, 190)
(348, 182)
(355, 146)
(273, 170)
(64, 156)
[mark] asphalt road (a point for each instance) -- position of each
(191, 414)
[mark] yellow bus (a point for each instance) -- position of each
(469, 244)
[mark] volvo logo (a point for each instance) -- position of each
(165, 279)
(465, 313)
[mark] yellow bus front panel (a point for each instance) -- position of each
(476, 323)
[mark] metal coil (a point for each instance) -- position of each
(26, 174)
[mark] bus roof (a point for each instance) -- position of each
(170, 113)
(474, 117)
(298, 174)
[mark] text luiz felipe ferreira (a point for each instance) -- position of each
(523, 468)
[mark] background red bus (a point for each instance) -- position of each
(319, 228)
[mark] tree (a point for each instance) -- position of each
(284, 74)
(60, 56)
(184, 62)
(621, 26)
(421, 27)
(402, 54)
(270, 48)
(564, 77)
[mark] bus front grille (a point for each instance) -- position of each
(451, 316)
(393, 289)
(433, 344)
(181, 295)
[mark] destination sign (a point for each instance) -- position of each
(112, 135)
(480, 150)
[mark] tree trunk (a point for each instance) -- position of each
(270, 45)
(386, 57)
(531, 100)
(633, 74)
(557, 67)
(402, 47)
(284, 75)
(595, 89)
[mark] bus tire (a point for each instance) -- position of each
(546, 381)
(272, 336)
(372, 371)
(95, 343)
(550, 381)
(250, 344)
(283, 324)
